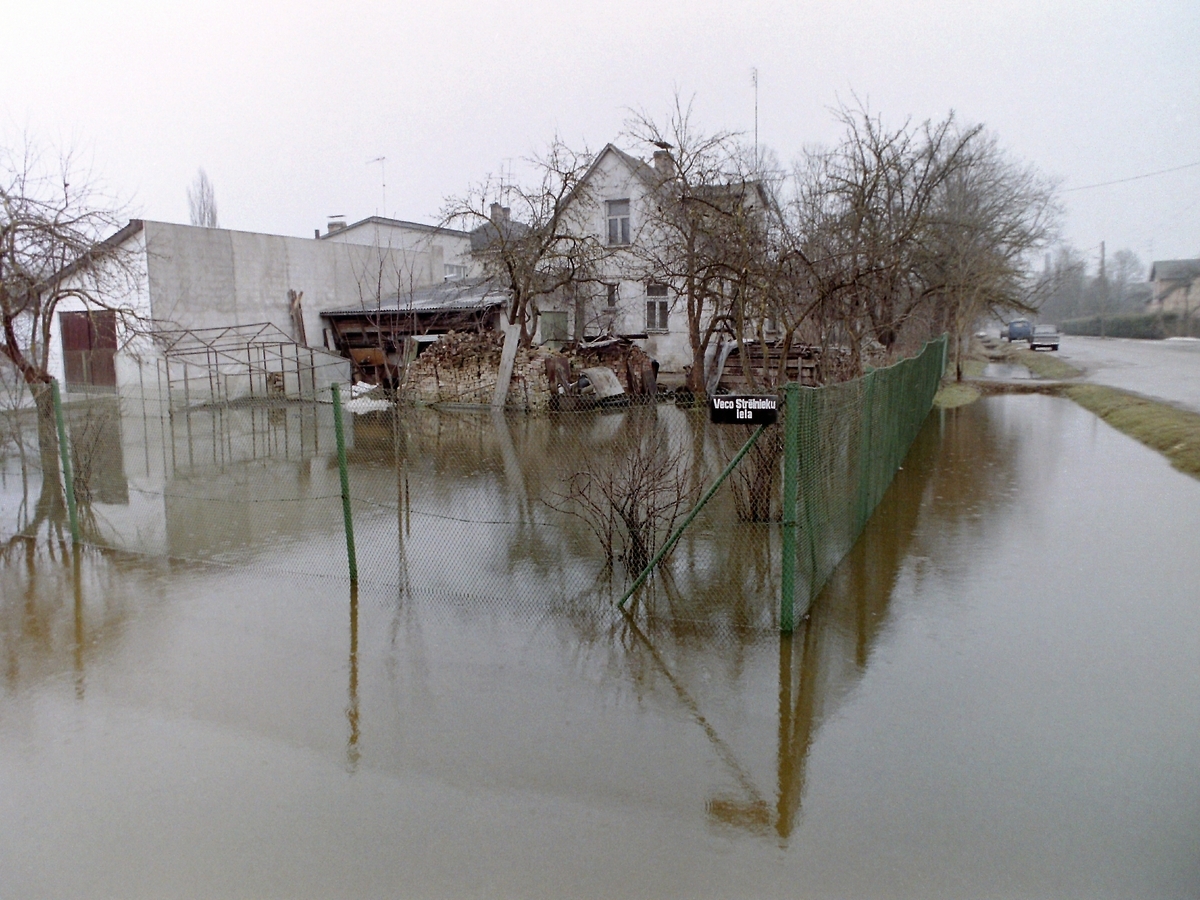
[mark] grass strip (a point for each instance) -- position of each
(1173, 432)
(1043, 365)
(953, 394)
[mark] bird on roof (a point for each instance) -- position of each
(662, 145)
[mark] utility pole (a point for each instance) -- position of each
(1103, 290)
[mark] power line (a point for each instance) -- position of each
(1084, 187)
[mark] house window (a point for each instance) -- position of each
(454, 272)
(613, 294)
(554, 326)
(657, 307)
(89, 343)
(618, 222)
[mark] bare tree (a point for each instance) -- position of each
(705, 229)
(632, 498)
(1064, 283)
(202, 201)
(1127, 268)
(990, 218)
(60, 242)
(911, 229)
(535, 240)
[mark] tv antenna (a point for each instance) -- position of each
(382, 160)
(754, 81)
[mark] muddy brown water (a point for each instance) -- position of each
(997, 695)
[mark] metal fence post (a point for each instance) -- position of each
(345, 479)
(65, 454)
(791, 465)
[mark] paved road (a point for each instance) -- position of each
(1168, 370)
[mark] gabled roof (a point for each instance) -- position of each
(1175, 269)
(110, 243)
(475, 294)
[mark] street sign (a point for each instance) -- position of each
(743, 409)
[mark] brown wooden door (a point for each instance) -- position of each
(89, 344)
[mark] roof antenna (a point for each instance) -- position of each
(754, 81)
(382, 160)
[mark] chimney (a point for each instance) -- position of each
(336, 224)
(499, 214)
(664, 165)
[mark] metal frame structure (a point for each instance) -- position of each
(203, 366)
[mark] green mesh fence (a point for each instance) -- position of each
(536, 516)
(852, 439)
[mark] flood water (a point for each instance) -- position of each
(997, 694)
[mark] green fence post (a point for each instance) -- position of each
(791, 466)
(65, 454)
(345, 478)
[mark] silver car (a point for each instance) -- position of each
(1043, 336)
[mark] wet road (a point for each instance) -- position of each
(1167, 370)
(997, 695)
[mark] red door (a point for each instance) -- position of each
(89, 343)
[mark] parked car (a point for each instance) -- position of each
(1017, 330)
(1044, 336)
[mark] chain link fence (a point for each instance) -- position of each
(538, 515)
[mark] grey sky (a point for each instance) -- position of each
(284, 103)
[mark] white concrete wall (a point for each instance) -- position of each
(191, 277)
(210, 277)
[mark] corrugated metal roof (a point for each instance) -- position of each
(445, 297)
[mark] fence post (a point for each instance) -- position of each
(791, 466)
(345, 479)
(64, 452)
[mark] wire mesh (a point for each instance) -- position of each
(853, 438)
(529, 515)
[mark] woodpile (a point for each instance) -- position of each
(462, 368)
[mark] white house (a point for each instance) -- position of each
(239, 304)
(450, 244)
(613, 202)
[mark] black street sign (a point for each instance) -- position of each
(743, 409)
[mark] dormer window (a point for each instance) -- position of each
(618, 222)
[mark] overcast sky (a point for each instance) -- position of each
(284, 104)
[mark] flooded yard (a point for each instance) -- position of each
(997, 694)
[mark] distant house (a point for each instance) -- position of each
(235, 312)
(1175, 286)
(449, 248)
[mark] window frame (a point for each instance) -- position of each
(612, 294)
(658, 307)
(618, 229)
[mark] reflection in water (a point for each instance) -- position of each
(80, 628)
(352, 751)
(962, 460)
(491, 697)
